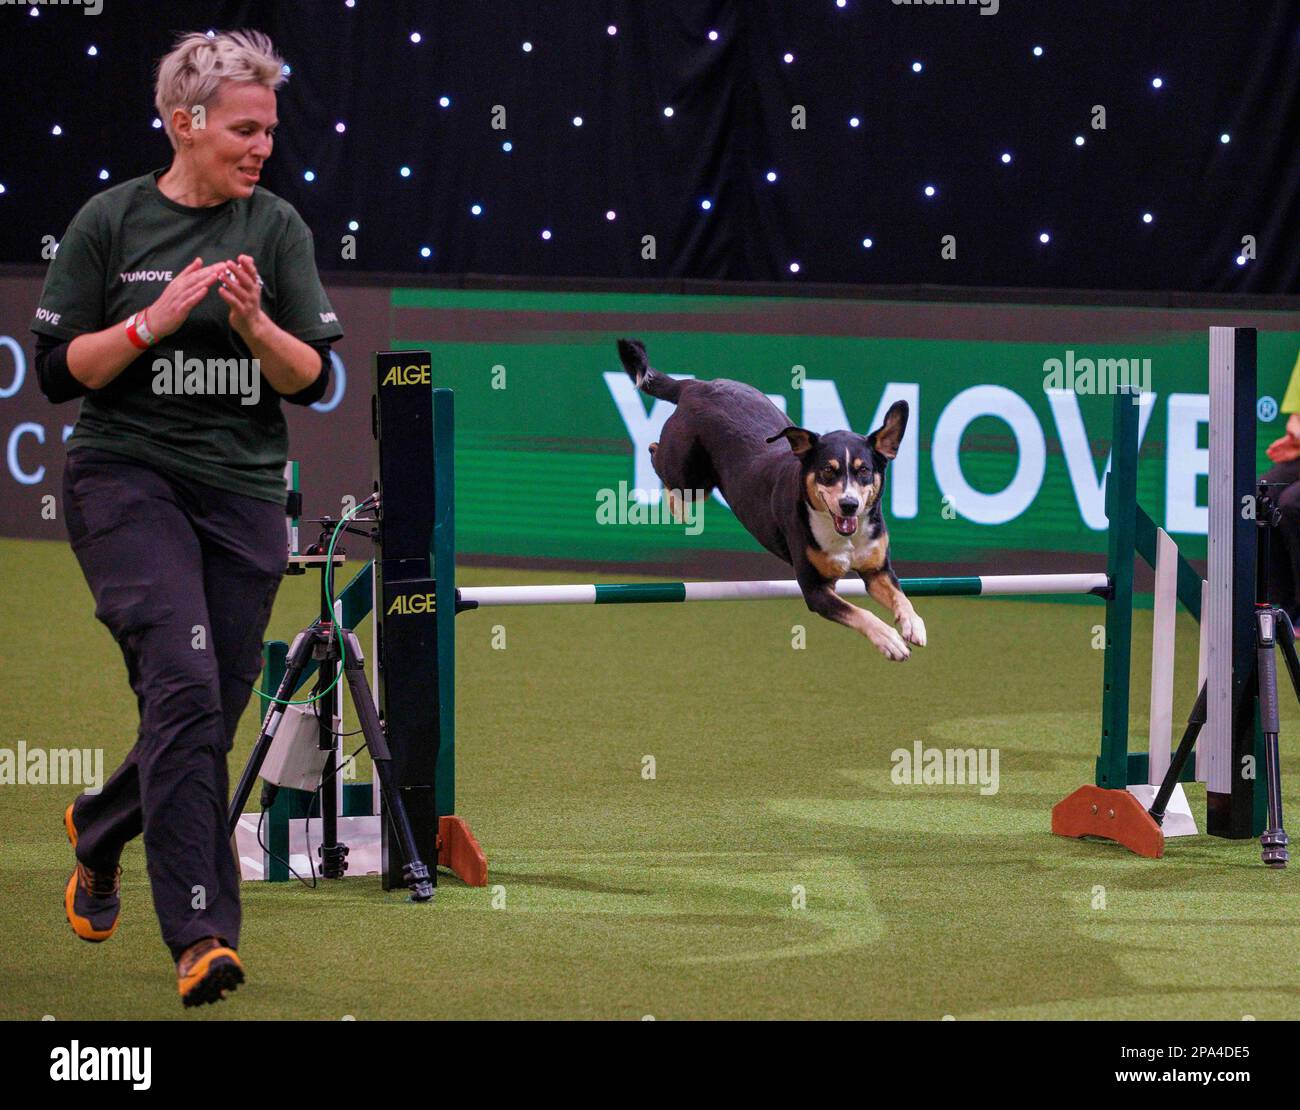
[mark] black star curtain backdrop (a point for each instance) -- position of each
(807, 141)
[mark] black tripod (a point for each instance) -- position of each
(1273, 629)
(331, 645)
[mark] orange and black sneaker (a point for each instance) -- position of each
(207, 971)
(91, 898)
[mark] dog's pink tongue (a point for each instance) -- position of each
(845, 525)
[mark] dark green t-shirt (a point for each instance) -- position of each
(116, 257)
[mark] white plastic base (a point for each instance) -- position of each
(360, 834)
(1178, 817)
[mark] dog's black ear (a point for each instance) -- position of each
(889, 435)
(800, 439)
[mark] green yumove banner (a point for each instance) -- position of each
(1003, 459)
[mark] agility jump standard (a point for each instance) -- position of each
(411, 588)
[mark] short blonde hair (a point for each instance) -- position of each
(197, 64)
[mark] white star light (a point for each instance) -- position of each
(577, 121)
(668, 112)
(1044, 238)
(713, 36)
(1157, 82)
(415, 37)
(611, 215)
(1079, 140)
(353, 225)
(788, 58)
(771, 175)
(1006, 159)
(611, 30)
(103, 175)
(340, 127)
(706, 204)
(1147, 217)
(309, 175)
(157, 123)
(56, 130)
(507, 146)
(528, 48)
(1038, 51)
(1225, 138)
(444, 102)
(92, 50)
(425, 252)
(917, 67)
(405, 171)
(868, 243)
(546, 233)
(476, 209)
(794, 267)
(855, 122)
(930, 190)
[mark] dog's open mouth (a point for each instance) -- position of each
(845, 525)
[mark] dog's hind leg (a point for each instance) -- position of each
(820, 596)
(683, 467)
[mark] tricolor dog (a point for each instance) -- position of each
(812, 500)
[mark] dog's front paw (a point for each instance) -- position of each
(912, 628)
(889, 643)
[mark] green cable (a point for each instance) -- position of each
(329, 594)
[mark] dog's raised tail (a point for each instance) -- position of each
(632, 354)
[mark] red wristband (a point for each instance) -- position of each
(137, 331)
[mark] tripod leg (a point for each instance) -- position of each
(416, 873)
(295, 664)
(1194, 724)
(1274, 839)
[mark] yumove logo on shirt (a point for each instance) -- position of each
(146, 275)
(328, 318)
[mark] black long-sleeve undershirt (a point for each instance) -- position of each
(58, 384)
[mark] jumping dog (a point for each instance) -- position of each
(812, 500)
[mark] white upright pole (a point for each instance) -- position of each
(1215, 741)
(1160, 733)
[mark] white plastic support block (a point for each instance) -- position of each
(360, 834)
(1178, 817)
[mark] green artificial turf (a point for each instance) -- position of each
(612, 895)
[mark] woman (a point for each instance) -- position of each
(174, 488)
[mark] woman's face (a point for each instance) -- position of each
(229, 151)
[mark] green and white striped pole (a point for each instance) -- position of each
(986, 585)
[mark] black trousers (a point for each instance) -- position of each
(184, 576)
(1284, 551)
